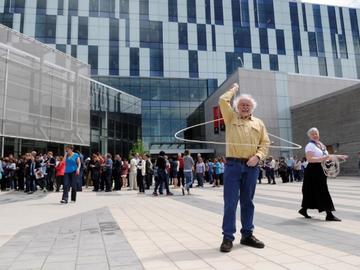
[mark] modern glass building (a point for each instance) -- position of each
(47, 99)
(174, 53)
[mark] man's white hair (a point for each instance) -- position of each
(244, 97)
(311, 130)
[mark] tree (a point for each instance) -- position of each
(138, 147)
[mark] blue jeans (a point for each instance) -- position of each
(188, 179)
(239, 183)
(70, 180)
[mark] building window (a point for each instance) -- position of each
(274, 63)
(93, 59)
(295, 29)
(191, 11)
(74, 51)
(60, 7)
(342, 37)
(201, 36)
(312, 44)
(218, 8)
(242, 39)
(207, 11)
(256, 59)
(94, 8)
(183, 36)
(264, 43)
(124, 9)
(61, 47)
(213, 37)
(134, 62)
(303, 6)
(193, 64)
(83, 31)
(73, 7)
(280, 42)
(156, 62)
(45, 29)
(265, 11)
(172, 9)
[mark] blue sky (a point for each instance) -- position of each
(343, 3)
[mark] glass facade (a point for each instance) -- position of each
(115, 120)
(47, 99)
(44, 94)
(166, 103)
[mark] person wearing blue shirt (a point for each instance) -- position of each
(72, 171)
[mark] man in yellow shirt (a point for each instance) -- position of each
(247, 143)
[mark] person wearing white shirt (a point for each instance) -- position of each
(315, 190)
(133, 173)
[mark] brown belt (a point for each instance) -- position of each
(241, 160)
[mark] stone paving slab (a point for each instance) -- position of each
(126, 230)
(91, 240)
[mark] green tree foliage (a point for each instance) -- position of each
(138, 147)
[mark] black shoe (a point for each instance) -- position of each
(332, 218)
(183, 191)
(169, 194)
(226, 245)
(252, 241)
(155, 194)
(63, 201)
(303, 212)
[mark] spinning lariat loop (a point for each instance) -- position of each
(294, 147)
(331, 167)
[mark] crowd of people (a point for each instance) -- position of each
(33, 171)
(288, 169)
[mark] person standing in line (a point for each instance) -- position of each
(283, 170)
(149, 171)
(108, 172)
(269, 169)
(124, 173)
(161, 174)
(180, 176)
(315, 190)
(297, 170)
(211, 172)
(95, 171)
(59, 173)
(30, 174)
(241, 170)
(140, 174)
(217, 166)
(72, 171)
(20, 169)
(200, 172)
(290, 162)
(116, 172)
(50, 171)
(133, 172)
(188, 172)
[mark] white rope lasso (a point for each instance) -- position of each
(294, 147)
(331, 167)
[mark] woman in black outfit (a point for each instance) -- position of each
(315, 190)
(95, 167)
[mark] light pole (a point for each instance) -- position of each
(242, 63)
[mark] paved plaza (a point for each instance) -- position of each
(125, 230)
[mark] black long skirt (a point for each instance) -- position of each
(315, 189)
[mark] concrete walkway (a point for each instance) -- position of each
(125, 230)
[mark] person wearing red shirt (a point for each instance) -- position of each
(60, 170)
